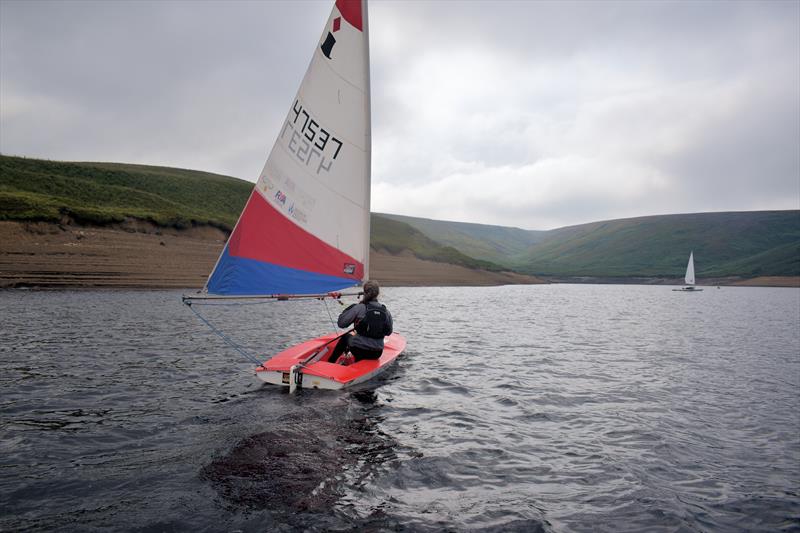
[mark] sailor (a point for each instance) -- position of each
(372, 322)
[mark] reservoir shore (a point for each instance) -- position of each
(137, 254)
(140, 255)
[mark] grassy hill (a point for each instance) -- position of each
(756, 243)
(395, 237)
(102, 193)
(752, 243)
(764, 243)
(497, 244)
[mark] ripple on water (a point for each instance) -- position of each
(603, 408)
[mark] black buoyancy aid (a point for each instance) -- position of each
(375, 323)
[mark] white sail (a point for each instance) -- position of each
(304, 231)
(305, 228)
(690, 270)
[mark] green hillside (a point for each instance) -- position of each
(753, 243)
(762, 243)
(498, 244)
(101, 193)
(395, 237)
(725, 244)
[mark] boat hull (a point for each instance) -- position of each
(688, 289)
(318, 372)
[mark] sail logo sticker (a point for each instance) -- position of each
(310, 140)
(265, 184)
(284, 193)
(297, 214)
(349, 268)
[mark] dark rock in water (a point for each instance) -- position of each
(301, 466)
(287, 469)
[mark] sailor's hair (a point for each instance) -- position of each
(371, 290)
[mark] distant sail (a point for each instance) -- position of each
(305, 227)
(690, 270)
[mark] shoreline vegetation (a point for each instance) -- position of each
(137, 254)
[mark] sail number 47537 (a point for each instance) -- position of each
(308, 140)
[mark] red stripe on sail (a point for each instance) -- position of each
(351, 11)
(264, 234)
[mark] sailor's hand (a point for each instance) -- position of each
(336, 295)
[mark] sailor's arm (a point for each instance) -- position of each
(348, 316)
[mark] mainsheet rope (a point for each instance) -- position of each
(225, 338)
(335, 325)
(230, 342)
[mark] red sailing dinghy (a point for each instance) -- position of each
(304, 231)
(306, 365)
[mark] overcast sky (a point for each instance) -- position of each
(528, 114)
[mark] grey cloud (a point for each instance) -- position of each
(154, 82)
(206, 84)
(753, 154)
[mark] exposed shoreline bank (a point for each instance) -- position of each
(139, 255)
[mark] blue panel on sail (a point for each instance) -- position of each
(241, 276)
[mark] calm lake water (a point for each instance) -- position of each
(536, 408)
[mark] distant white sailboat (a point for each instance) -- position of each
(689, 278)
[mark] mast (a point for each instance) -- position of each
(368, 135)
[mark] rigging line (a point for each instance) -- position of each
(225, 338)
(335, 326)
